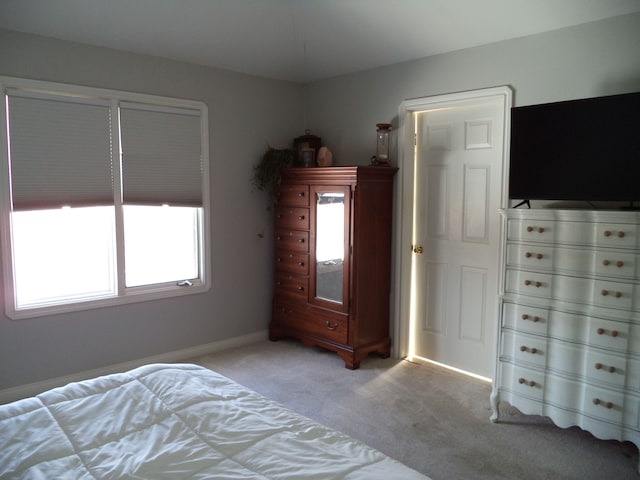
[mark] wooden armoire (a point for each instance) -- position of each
(332, 259)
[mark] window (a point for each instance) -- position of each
(105, 197)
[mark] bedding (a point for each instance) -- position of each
(173, 421)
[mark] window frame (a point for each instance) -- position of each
(123, 295)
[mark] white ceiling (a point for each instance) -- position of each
(299, 40)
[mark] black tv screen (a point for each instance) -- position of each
(586, 150)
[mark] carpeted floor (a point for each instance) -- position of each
(434, 420)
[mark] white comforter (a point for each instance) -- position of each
(173, 422)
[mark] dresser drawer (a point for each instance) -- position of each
(614, 263)
(605, 369)
(522, 381)
(620, 235)
(524, 349)
(532, 256)
(292, 217)
(293, 195)
(525, 319)
(528, 283)
(306, 319)
(295, 262)
(603, 403)
(292, 285)
(531, 230)
(294, 240)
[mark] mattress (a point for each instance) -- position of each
(173, 421)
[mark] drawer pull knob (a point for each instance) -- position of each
(529, 229)
(621, 234)
(614, 333)
(604, 293)
(619, 264)
(300, 288)
(524, 348)
(528, 254)
(598, 366)
(600, 331)
(536, 319)
(539, 256)
(301, 217)
(524, 381)
(618, 294)
(597, 401)
(607, 233)
(301, 194)
(301, 240)
(612, 369)
(538, 284)
(525, 316)
(330, 326)
(527, 282)
(606, 263)
(301, 264)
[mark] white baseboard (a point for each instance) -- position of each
(15, 393)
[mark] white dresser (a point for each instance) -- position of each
(569, 343)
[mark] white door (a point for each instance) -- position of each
(458, 179)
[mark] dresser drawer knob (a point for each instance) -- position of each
(524, 381)
(301, 240)
(330, 326)
(536, 284)
(605, 293)
(619, 264)
(301, 194)
(600, 331)
(597, 401)
(614, 333)
(300, 288)
(621, 234)
(598, 366)
(607, 233)
(301, 264)
(612, 369)
(301, 217)
(524, 348)
(606, 263)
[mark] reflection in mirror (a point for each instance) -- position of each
(329, 245)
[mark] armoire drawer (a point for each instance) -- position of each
(293, 195)
(292, 217)
(304, 318)
(294, 240)
(295, 262)
(292, 285)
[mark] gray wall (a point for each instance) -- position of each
(244, 114)
(599, 58)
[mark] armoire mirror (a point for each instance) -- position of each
(330, 242)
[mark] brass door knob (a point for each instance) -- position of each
(418, 249)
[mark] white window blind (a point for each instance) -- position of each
(161, 157)
(60, 150)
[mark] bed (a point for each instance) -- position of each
(175, 421)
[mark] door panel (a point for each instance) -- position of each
(458, 162)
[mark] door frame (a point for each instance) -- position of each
(402, 312)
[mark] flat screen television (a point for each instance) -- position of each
(586, 150)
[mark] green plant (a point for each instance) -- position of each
(266, 174)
